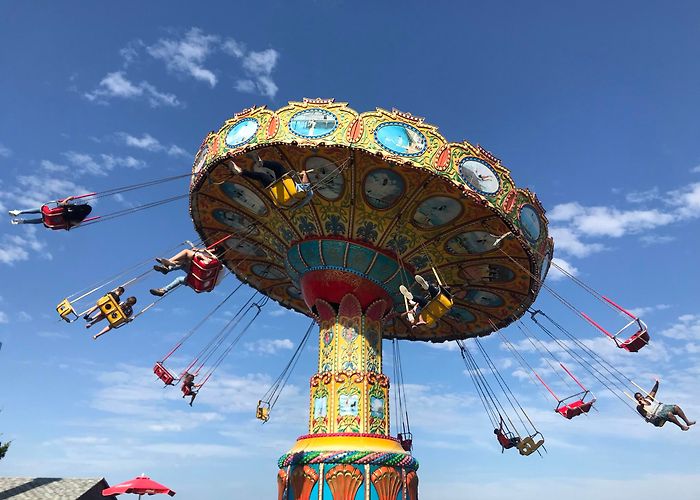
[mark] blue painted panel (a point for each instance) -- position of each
(359, 258)
(309, 250)
(383, 268)
(333, 252)
(294, 260)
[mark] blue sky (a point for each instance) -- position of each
(593, 106)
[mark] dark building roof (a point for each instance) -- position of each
(53, 488)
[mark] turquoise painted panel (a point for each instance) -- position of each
(383, 268)
(310, 253)
(359, 258)
(333, 252)
(294, 260)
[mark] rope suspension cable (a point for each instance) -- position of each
(402, 409)
(529, 370)
(398, 403)
(505, 388)
(200, 323)
(482, 384)
(132, 187)
(217, 339)
(233, 343)
(480, 391)
(128, 211)
(273, 393)
(605, 380)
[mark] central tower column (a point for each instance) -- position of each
(348, 453)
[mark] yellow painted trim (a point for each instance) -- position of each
(354, 443)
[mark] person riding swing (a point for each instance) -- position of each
(188, 387)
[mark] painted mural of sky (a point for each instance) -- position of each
(594, 107)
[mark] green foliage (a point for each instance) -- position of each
(3, 449)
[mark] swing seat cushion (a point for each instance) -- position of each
(527, 446)
(262, 414)
(163, 374)
(203, 277)
(575, 409)
(636, 341)
(437, 308)
(110, 308)
(54, 218)
(65, 309)
(285, 194)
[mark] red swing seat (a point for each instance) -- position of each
(163, 374)
(406, 440)
(203, 276)
(574, 409)
(636, 341)
(54, 218)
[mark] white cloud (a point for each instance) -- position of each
(640, 312)
(643, 196)
(50, 166)
(117, 85)
(187, 55)
(269, 346)
(555, 274)
(259, 66)
(150, 143)
(566, 240)
(687, 327)
(687, 201)
(3, 317)
(695, 170)
(83, 163)
(247, 86)
(236, 49)
(131, 52)
(16, 248)
(5, 152)
(260, 63)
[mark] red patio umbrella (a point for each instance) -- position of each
(141, 485)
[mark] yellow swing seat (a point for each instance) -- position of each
(263, 411)
(284, 193)
(528, 446)
(65, 310)
(110, 308)
(437, 308)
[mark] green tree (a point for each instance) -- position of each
(3, 449)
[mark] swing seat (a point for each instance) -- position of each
(406, 440)
(527, 446)
(262, 412)
(163, 374)
(575, 409)
(437, 308)
(285, 194)
(203, 277)
(65, 310)
(110, 308)
(636, 341)
(54, 218)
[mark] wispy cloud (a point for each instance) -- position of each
(556, 274)
(50, 166)
(117, 85)
(187, 56)
(258, 67)
(643, 196)
(17, 248)
(3, 317)
(646, 310)
(269, 346)
(695, 170)
(5, 152)
(102, 164)
(149, 143)
(686, 327)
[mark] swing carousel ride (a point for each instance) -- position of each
(389, 212)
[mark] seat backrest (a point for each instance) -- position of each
(53, 218)
(636, 341)
(112, 311)
(284, 192)
(203, 276)
(163, 373)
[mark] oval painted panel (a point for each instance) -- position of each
(530, 222)
(200, 160)
(383, 188)
(400, 138)
(462, 314)
(313, 123)
(326, 178)
(244, 197)
(242, 132)
(479, 175)
(245, 247)
(484, 298)
(545, 266)
(267, 272)
(294, 292)
(471, 242)
(233, 219)
(487, 273)
(437, 211)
